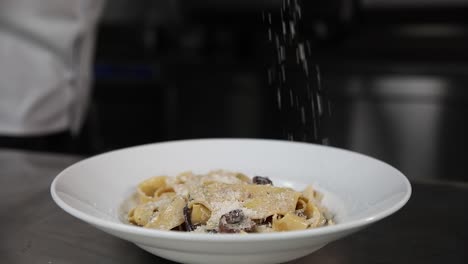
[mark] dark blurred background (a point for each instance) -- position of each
(395, 72)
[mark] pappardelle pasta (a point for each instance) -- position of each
(225, 202)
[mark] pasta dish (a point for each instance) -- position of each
(225, 202)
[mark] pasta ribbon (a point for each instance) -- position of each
(200, 214)
(168, 217)
(147, 189)
(289, 222)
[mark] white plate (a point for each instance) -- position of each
(358, 189)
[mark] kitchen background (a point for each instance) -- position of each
(395, 73)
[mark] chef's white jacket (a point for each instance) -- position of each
(46, 53)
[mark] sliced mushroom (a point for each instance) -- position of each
(187, 221)
(235, 222)
(261, 180)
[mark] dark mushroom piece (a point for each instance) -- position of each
(261, 180)
(187, 220)
(235, 222)
(234, 216)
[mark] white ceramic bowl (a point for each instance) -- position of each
(360, 190)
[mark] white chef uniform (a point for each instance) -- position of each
(46, 53)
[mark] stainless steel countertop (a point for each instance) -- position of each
(431, 228)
